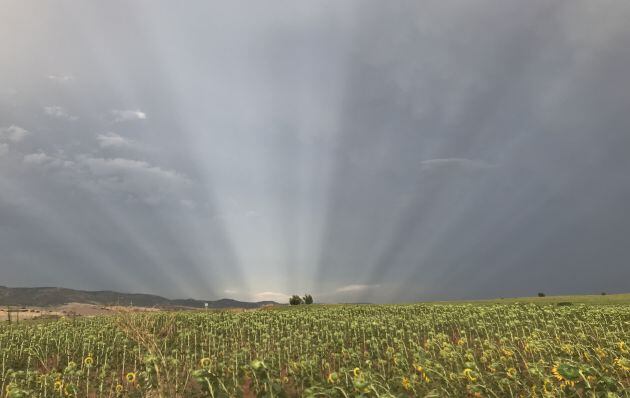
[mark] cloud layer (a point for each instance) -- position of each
(357, 150)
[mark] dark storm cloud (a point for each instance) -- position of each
(356, 150)
(517, 110)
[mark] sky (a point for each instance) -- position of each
(360, 151)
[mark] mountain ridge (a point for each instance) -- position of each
(47, 296)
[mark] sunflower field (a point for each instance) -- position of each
(423, 350)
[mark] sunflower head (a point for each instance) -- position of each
(204, 362)
(332, 377)
(623, 364)
(566, 374)
(470, 374)
(547, 386)
(356, 372)
(511, 372)
(119, 389)
(600, 353)
(257, 364)
(406, 383)
(130, 377)
(10, 388)
(58, 386)
(507, 353)
(88, 361)
(69, 390)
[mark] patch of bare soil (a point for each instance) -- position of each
(70, 309)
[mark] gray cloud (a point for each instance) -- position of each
(356, 288)
(126, 115)
(59, 112)
(113, 140)
(13, 133)
(356, 150)
(43, 159)
(61, 78)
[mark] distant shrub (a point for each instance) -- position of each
(308, 299)
(564, 303)
(295, 300)
(541, 294)
(603, 293)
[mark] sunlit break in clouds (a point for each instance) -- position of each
(361, 151)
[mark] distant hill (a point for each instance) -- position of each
(52, 296)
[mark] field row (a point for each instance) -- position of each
(337, 351)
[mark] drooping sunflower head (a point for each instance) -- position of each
(547, 386)
(332, 377)
(600, 353)
(130, 377)
(406, 383)
(9, 388)
(470, 374)
(566, 374)
(69, 390)
(511, 372)
(623, 363)
(257, 364)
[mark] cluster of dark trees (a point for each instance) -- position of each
(297, 300)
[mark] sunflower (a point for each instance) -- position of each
(511, 372)
(58, 386)
(600, 353)
(623, 364)
(131, 377)
(547, 386)
(406, 383)
(566, 374)
(258, 364)
(204, 362)
(423, 374)
(119, 389)
(332, 377)
(357, 372)
(469, 373)
(69, 389)
(9, 388)
(88, 361)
